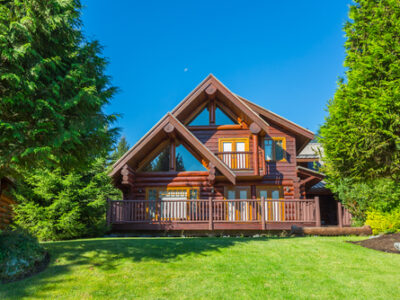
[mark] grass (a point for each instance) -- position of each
(212, 268)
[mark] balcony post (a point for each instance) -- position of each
(340, 214)
(317, 212)
(108, 214)
(210, 213)
(255, 155)
(262, 213)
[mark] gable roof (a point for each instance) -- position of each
(156, 135)
(303, 135)
(184, 110)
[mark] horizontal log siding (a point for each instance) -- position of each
(181, 179)
(6, 211)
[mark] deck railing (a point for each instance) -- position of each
(237, 160)
(215, 211)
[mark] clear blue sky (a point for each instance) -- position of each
(283, 55)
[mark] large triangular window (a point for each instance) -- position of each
(185, 161)
(160, 163)
(202, 119)
(221, 118)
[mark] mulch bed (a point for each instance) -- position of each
(382, 243)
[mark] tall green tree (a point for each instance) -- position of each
(119, 150)
(361, 135)
(52, 88)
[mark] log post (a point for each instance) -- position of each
(262, 213)
(172, 163)
(340, 214)
(317, 212)
(210, 214)
(108, 213)
(255, 154)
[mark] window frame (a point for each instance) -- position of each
(274, 140)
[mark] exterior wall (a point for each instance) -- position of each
(5, 210)
(281, 173)
(210, 137)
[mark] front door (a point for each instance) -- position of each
(274, 210)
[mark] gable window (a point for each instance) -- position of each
(184, 161)
(275, 149)
(221, 118)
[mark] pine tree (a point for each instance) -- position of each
(120, 150)
(52, 88)
(361, 135)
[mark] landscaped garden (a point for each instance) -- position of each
(217, 268)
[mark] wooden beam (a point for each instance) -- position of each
(169, 128)
(317, 212)
(254, 128)
(340, 214)
(211, 91)
(172, 161)
(255, 155)
(211, 110)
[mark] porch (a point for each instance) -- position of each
(214, 214)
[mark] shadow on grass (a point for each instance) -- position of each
(108, 254)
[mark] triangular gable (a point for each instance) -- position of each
(155, 137)
(211, 86)
(303, 135)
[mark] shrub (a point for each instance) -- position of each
(20, 255)
(56, 206)
(381, 195)
(384, 222)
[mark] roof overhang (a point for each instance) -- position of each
(309, 177)
(303, 135)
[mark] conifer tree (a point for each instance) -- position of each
(52, 88)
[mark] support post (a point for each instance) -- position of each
(340, 214)
(262, 213)
(317, 212)
(108, 214)
(172, 165)
(255, 154)
(210, 214)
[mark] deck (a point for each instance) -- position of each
(213, 214)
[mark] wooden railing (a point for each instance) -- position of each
(212, 211)
(237, 160)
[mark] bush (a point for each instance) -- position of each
(56, 206)
(381, 195)
(384, 222)
(20, 255)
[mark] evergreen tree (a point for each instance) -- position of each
(53, 205)
(120, 150)
(361, 135)
(52, 88)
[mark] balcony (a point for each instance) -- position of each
(241, 161)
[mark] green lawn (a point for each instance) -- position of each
(217, 268)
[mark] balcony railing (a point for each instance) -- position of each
(237, 160)
(211, 212)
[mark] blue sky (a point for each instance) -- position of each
(283, 55)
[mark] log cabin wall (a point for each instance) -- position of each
(170, 179)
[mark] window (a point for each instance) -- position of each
(274, 209)
(160, 163)
(173, 204)
(275, 149)
(221, 118)
(202, 119)
(185, 161)
(234, 152)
